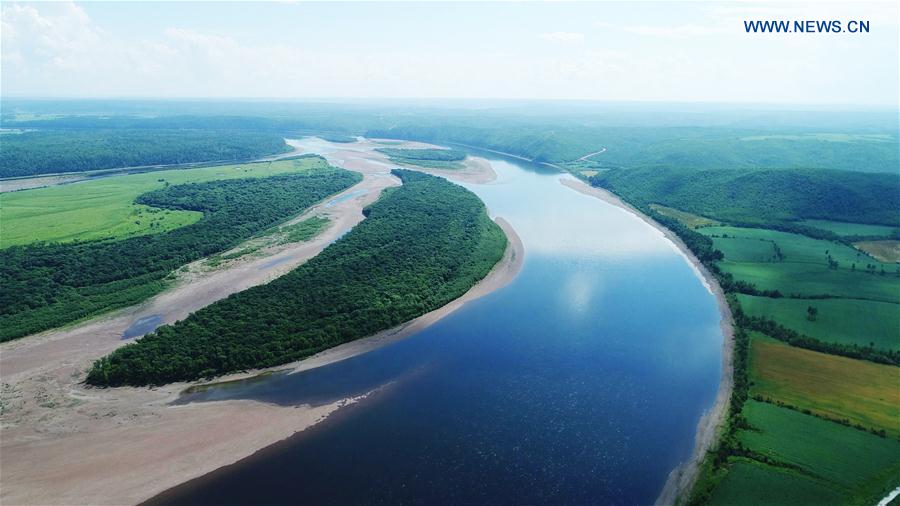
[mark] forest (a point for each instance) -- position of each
(45, 285)
(763, 196)
(38, 152)
(421, 246)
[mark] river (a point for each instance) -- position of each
(582, 381)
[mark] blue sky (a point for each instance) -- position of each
(639, 51)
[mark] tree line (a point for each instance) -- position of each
(47, 285)
(421, 246)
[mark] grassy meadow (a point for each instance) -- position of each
(852, 229)
(847, 321)
(687, 219)
(836, 387)
(104, 208)
(862, 465)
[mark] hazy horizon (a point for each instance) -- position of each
(574, 52)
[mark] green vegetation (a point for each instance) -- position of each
(48, 285)
(105, 208)
(344, 139)
(304, 230)
(852, 229)
(687, 219)
(845, 321)
(429, 158)
(750, 483)
(763, 196)
(52, 151)
(853, 392)
(421, 246)
(864, 465)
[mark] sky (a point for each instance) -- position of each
(610, 51)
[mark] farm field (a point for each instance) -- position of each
(686, 219)
(104, 208)
(741, 245)
(741, 486)
(814, 280)
(837, 387)
(862, 465)
(851, 229)
(846, 321)
(885, 251)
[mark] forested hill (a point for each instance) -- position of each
(44, 286)
(421, 246)
(762, 196)
(51, 151)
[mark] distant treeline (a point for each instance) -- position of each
(767, 197)
(74, 150)
(44, 286)
(421, 246)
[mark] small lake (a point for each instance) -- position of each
(582, 381)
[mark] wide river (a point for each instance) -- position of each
(582, 381)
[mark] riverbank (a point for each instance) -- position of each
(65, 443)
(682, 478)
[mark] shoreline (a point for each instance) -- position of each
(503, 272)
(65, 443)
(682, 478)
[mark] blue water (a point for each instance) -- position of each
(582, 381)
(142, 326)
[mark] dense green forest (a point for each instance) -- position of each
(51, 151)
(763, 196)
(421, 246)
(48, 285)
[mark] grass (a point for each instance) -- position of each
(686, 219)
(850, 229)
(428, 158)
(104, 208)
(884, 251)
(836, 387)
(304, 230)
(741, 245)
(846, 321)
(863, 465)
(752, 483)
(812, 280)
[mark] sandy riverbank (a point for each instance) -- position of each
(682, 478)
(64, 443)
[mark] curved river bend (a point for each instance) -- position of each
(582, 381)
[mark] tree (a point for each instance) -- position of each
(811, 313)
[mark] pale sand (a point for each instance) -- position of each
(682, 478)
(64, 443)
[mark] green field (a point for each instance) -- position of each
(863, 465)
(687, 219)
(846, 321)
(304, 230)
(850, 229)
(758, 245)
(812, 280)
(105, 209)
(838, 388)
(743, 485)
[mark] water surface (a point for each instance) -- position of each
(582, 381)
